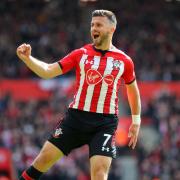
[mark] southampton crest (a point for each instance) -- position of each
(58, 132)
(117, 64)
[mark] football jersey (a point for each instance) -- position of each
(98, 77)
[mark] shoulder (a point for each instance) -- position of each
(120, 53)
(87, 47)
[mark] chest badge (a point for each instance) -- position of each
(117, 64)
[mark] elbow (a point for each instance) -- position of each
(51, 71)
(46, 76)
(43, 76)
(46, 73)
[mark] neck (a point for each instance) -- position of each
(104, 46)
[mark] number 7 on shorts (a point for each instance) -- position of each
(108, 136)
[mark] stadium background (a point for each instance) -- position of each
(30, 107)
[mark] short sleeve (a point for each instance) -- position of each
(69, 62)
(129, 73)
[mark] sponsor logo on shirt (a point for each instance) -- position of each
(93, 77)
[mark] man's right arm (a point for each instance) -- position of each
(42, 69)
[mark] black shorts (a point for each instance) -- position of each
(78, 128)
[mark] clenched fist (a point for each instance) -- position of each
(24, 51)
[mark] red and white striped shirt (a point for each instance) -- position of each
(98, 77)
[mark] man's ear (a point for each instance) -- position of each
(113, 29)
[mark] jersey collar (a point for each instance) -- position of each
(111, 49)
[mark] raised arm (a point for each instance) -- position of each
(42, 69)
(135, 105)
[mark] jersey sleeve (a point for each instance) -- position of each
(129, 73)
(69, 62)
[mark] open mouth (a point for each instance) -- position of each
(96, 36)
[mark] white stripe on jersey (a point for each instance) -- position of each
(104, 87)
(82, 72)
(113, 97)
(90, 89)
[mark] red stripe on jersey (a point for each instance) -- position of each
(26, 176)
(107, 101)
(116, 107)
(97, 88)
(83, 96)
(116, 101)
(85, 85)
(77, 86)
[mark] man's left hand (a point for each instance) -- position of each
(133, 135)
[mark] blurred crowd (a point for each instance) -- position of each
(147, 30)
(163, 161)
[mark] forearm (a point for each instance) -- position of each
(134, 99)
(135, 104)
(42, 69)
(38, 67)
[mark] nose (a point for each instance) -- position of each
(93, 28)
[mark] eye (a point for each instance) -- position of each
(99, 25)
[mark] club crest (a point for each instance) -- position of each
(58, 132)
(117, 64)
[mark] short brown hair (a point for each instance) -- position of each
(105, 13)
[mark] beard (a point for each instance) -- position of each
(100, 40)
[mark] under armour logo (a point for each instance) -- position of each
(105, 149)
(89, 62)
